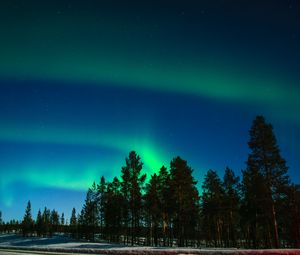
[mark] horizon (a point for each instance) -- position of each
(67, 215)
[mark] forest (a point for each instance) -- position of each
(260, 208)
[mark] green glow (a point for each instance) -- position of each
(69, 176)
(93, 49)
(85, 50)
(126, 142)
(6, 195)
(63, 178)
(221, 84)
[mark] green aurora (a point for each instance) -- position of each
(82, 84)
(153, 158)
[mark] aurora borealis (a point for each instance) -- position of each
(84, 82)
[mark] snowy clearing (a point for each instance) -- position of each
(61, 244)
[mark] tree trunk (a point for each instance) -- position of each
(276, 238)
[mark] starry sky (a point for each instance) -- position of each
(82, 83)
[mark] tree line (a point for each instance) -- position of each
(46, 223)
(259, 210)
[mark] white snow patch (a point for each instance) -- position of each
(65, 244)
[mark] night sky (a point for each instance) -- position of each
(82, 83)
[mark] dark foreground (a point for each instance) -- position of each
(142, 251)
(60, 245)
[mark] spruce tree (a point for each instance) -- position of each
(81, 224)
(265, 157)
(54, 220)
(291, 220)
(73, 223)
(62, 219)
(90, 214)
(46, 222)
(125, 190)
(112, 210)
(212, 208)
(165, 203)
(73, 219)
(231, 207)
(39, 223)
(27, 223)
(132, 184)
(253, 213)
(101, 189)
(153, 208)
(186, 200)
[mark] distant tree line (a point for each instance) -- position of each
(260, 210)
(46, 223)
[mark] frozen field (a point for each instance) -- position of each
(60, 244)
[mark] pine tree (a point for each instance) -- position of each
(101, 189)
(231, 207)
(90, 213)
(54, 222)
(62, 219)
(112, 210)
(39, 223)
(81, 224)
(153, 208)
(212, 207)
(265, 159)
(125, 190)
(73, 223)
(252, 213)
(27, 223)
(46, 222)
(132, 183)
(186, 199)
(165, 203)
(291, 220)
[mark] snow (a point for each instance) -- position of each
(65, 244)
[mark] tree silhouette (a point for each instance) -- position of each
(112, 210)
(291, 221)
(27, 223)
(55, 224)
(212, 208)
(47, 228)
(153, 209)
(165, 203)
(262, 211)
(73, 223)
(90, 213)
(265, 159)
(101, 189)
(230, 207)
(132, 183)
(39, 223)
(185, 196)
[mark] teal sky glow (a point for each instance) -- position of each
(84, 83)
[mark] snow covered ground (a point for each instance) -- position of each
(65, 244)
